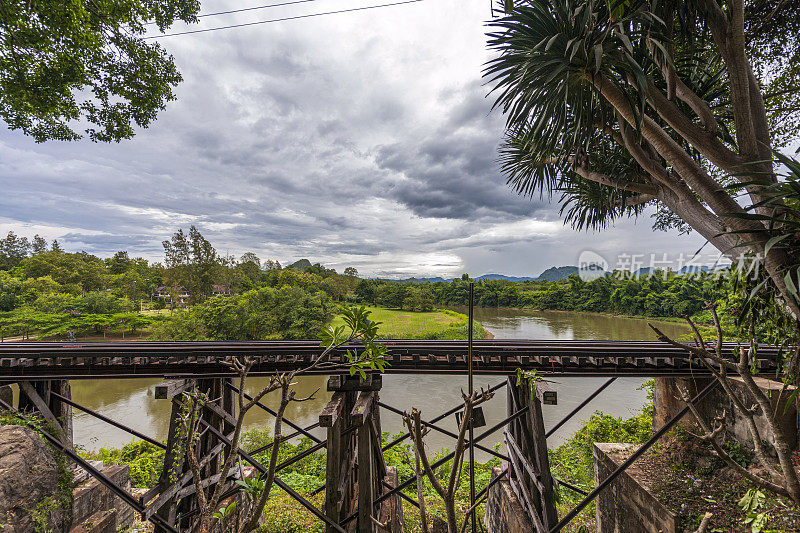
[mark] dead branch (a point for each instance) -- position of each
(414, 423)
(710, 436)
(784, 471)
(469, 511)
(722, 376)
(704, 523)
(381, 525)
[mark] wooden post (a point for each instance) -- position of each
(379, 469)
(549, 515)
(61, 410)
(353, 471)
(35, 396)
(220, 412)
(366, 468)
(529, 436)
(173, 466)
(331, 418)
(7, 395)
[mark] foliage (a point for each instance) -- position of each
(45, 291)
(573, 459)
(618, 105)
(144, 459)
(664, 294)
(759, 300)
(26, 322)
(63, 63)
(190, 263)
(751, 503)
(358, 327)
(259, 314)
(282, 513)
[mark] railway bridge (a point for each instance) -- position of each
(361, 494)
(97, 360)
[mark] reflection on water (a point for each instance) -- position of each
(560, 325)
(132, 403)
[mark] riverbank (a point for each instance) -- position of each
(441, 324)
(671, 319)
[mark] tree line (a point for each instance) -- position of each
(46, 291)
(664, 294)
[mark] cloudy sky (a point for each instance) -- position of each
(360, 139)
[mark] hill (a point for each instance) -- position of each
(551, 274)
(515, 279)
(557, 273)
(302, 264)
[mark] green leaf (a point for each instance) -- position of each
(598, 56)
(773, 241)
(790, 286)
(626, 42)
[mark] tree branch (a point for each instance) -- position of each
(642, 188)
(706, 142)
(710, 436)
(635, 200)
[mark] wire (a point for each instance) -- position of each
(284, 19)
(267, 6)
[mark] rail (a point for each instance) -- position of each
(48, 360)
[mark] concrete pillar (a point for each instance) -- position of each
(667, 403)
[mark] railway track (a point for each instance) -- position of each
(92, 360)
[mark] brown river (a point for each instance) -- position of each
(132, 402)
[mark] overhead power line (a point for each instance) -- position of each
(284, 19)
(254, 8)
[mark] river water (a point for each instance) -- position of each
(132, 402)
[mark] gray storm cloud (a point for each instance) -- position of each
(362, 139)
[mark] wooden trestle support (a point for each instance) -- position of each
(45, 398)
(356, 472)
(176, 500)
(359, 495)
(526, 445)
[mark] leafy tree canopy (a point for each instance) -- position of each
(70, 62)
(677, 103)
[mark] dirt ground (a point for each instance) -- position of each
(690, 480)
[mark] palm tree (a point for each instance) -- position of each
(680, 104)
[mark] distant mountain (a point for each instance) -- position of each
(302, 264)
(694, 269)
(423, 280)
(515, 279)
(551, 274)
(557, 273)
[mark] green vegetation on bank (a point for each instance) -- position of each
(260, 314)
(46, 292)
(441, 324)
(197, 294)
(661, 295)
(664, 295)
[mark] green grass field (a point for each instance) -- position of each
(440, 324)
